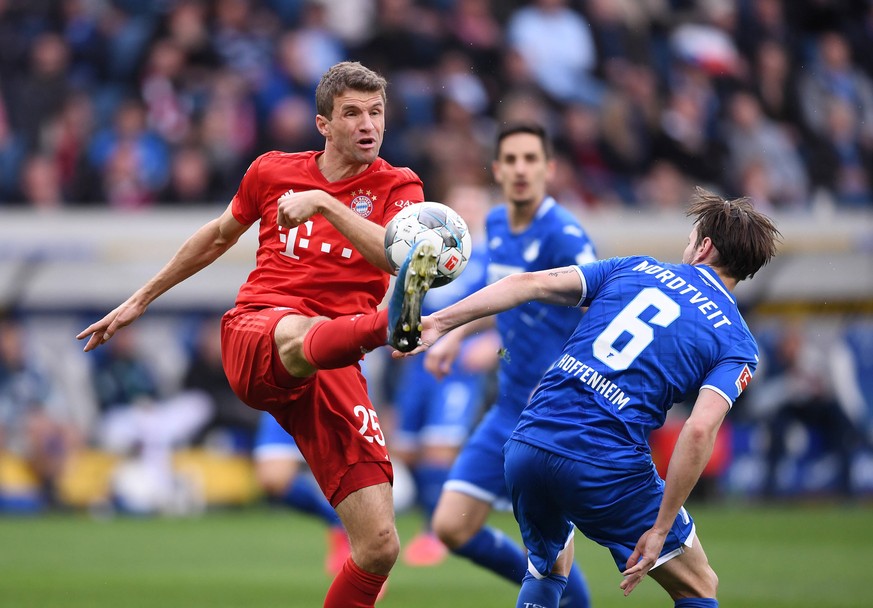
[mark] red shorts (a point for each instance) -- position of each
(329, 414)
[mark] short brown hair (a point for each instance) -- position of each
(744, 237)
(346, 76)
(530, 128)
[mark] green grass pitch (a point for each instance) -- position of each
(775, 557)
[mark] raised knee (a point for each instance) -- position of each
(289, 337)
(291, 355)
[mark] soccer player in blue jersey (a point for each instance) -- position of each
(530, 232)
(654, 334)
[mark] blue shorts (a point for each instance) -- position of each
(551, 494)
(433, 412)
(478, 469)
(272, 441)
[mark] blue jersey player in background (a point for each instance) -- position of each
(654, 334)
(530, 232)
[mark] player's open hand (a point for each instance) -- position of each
(645, 555)
(427, 338)
(100, 332)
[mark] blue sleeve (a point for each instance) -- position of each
(733, 372)
(594, 275)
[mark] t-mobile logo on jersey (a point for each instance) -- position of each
(295, 242)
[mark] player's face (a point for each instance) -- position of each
(355, 129)
(522, 169)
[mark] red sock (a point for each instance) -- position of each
(354, 588)
(340, 342)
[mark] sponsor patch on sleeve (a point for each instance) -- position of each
(743, 380)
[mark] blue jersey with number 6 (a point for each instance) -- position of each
(654, 334)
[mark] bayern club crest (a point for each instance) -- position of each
(362, 204)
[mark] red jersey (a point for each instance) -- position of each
(313, 267)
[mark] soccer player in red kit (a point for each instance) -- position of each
(308, 311)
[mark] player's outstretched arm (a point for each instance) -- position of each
(690, 455)
(201, 249)
(561, 286)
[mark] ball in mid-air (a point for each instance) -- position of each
(434, 222)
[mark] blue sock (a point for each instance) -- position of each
(576, 593)
(492, 549)
(541, 592)
(696, 602)
(429, 479)
(304, 495)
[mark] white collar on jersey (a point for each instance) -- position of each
(713, 278)
(544, 207)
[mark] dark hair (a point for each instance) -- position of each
(523, 127)
(346, 76)
(744, 238)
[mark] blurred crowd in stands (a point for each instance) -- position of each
(81, 431)
(133, 103)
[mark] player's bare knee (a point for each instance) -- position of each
(703, 587)
(388, 550)
(275, 475)
(451, 530)
(377, 553)
(291, 354)
(705, 582)
(711, 583)
(701, 584)
(288, 336)
(270, 485)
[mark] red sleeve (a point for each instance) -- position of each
(245, 202)
(409, 191)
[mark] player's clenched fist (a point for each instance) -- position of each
(295, 208)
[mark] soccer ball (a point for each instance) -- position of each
(434, 222)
